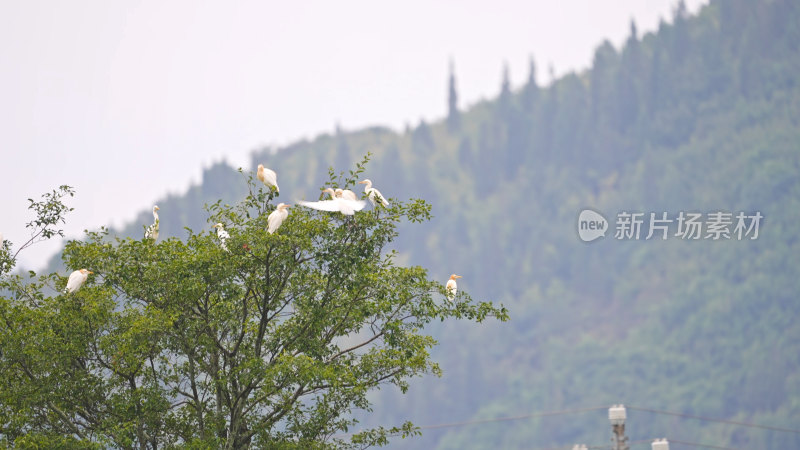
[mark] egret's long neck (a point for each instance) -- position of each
(368, 185)
(155, 215)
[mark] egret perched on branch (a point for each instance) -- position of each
(76, 280)
(268, 177)
(152, 230)
(329, 191)
(346, 194)
(373, 194)
(222, 235)
(276, 218)
(337, 204)
(452, 287)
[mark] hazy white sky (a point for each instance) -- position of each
(129, 100)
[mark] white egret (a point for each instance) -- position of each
(346, 194)
(337, 204)
(276, 218)
(329, 191)
(373, 194)
(268, 177)
(152, 230)
(452, 287)
(76, 280)
(222, 235)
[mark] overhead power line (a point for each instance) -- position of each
(647, 441)
(673, 441)
(694, 444)
(505, 419)
(597, 408)
(711, 419)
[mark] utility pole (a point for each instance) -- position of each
(616, 415)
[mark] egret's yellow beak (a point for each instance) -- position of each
(362, 182)
(89, 271)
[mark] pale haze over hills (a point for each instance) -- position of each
(128, 101)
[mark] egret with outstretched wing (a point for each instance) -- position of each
(337, 204)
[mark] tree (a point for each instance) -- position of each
(453, 116)
(504, 100)
(627, 75)
(680, 33)
(531, 91)
(605, 109)
(342, 157)
(423, 145)
(466, 156)
(50, 212)
(271, 344)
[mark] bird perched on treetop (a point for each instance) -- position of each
(329, 191)
(276, 218)
(222, 235)
(268, 177)
(152, 230)
(76, 280)
(336, 204)
(346, 194)
(373, 194)
(452, 287)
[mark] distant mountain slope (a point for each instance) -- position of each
(702, 115)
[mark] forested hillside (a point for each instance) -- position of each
(701, 115)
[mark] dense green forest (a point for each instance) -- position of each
(701, 115)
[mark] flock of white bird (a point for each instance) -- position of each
(342, 201)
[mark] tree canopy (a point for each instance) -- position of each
(273, 342)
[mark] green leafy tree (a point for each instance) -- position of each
(273, 342)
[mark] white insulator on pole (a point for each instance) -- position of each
(660, 444)
(616, 414)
